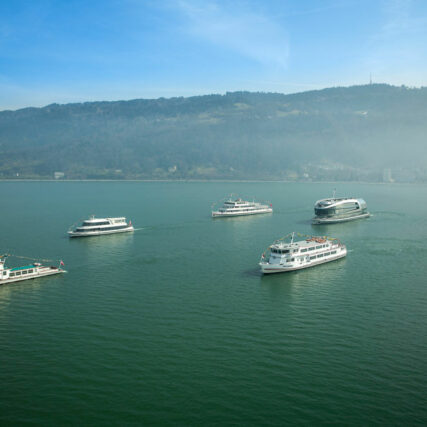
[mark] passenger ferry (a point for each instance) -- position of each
(296, 255)
(97, 226)
(342, 209)
(240, 207)
(32, 271)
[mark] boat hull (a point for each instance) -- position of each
(45, 271)
(318, 221)
(267, 268)
(99, 233)
(233, 214)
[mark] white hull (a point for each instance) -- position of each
(337, 220)
(42, 271)
(268, 268)
(218, 214)
(98, 232)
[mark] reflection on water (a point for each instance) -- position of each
(30, 289)
(338, 229)
(385, 214)
(107, 241)
(241, 218)
(106, 250)
(304, 222)
(324, 276)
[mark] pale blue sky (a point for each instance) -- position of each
(87, 50)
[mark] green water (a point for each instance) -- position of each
(174, 325)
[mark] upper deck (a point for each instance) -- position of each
(313, 242)
(92, 222)
(333, 201)
(239, 203)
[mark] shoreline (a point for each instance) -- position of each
(211, 180)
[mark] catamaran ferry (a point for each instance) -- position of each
(97, 226)
(240, 207)
(333, 210)
(32, 271)
(297, 255)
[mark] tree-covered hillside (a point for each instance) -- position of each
(339, 133)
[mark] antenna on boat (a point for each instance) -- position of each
(334, 193)
(292, 240)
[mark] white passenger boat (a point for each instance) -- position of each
(296, 255)
(239, 207)
(32, 271)
(339, 209)
(97, 226)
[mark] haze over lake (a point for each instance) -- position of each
(370, 133)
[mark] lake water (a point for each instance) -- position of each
(174, 325)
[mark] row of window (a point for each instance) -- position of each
(19, 273)
(238, 209)
(90, 224)
(338, 210)
(118, 227)
(322, 255)
(313, 248)
(280, 251)
(303, 250)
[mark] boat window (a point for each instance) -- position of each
(311, 249)
(292, 259)
(18, 273)
(87, 230)
(318, 247)
(333, 252)
(327, 253)
(25, 272)
(12, 275)
(324, 211)
(30, 271)
(304, 250)
(313, 257)
(92, 224)
(4, 273)
(320, 256)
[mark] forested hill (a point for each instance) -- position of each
(339, 133)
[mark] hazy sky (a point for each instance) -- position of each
(85, 50)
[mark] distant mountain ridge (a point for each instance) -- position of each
(338, 133)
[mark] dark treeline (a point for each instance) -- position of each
(353, 133)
